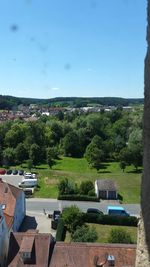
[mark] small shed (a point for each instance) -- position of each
(105, 189)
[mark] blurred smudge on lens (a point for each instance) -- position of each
(67, 66)
(14, 28)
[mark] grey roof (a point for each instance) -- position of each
(106, 184)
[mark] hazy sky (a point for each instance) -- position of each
(51, 48)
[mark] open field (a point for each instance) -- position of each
(103, 232)
(77, 170)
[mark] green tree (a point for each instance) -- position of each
(71, 144)
(29, 164)
(65, 187)
(21, 152)
(72, 217)
(122, 165)
(84, 234)
(119, 236)
(94, 154)
(85, 187)
(50, 154)
(14, 136)
(9, 156)
(35, 154)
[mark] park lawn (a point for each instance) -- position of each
(78, 170)
(103, 232)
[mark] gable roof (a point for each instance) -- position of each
(38, 246)
(106, 184)
(88, 254)
(8, 197)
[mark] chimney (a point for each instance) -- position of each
(111, 260)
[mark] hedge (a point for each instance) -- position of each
(110, 220)
(78, 197)
(61, 230)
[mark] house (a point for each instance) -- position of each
(12, 200)
(93, 255)
(30, 249)
(4, 239)
(105, 189)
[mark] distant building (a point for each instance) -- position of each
(105, 189)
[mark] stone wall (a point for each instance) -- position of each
(143, 245)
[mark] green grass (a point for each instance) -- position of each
(103, 232)
(77, 170)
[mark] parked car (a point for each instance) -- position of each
(28, 183)
(117, 211)
(56, 215)
(3, 171)
(95, 211)
(14, 172)
(28, 175)
(21, 172)
(9, 172)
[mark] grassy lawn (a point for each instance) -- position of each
(103, 232)
(77, 170)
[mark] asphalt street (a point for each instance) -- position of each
(37, 205)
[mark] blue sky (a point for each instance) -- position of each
(84, 48)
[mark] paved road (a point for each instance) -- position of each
(37, 205)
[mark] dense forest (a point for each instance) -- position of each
(99, 137)
(10, 102)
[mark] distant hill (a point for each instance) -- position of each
(11, 102)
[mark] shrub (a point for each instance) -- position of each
(78, 197)
(84, 234)
(61, 231)
(110, 220)
(72, 217)
(119, 236)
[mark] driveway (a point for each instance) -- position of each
(39, 221)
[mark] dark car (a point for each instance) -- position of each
(14, 172)
(21, 172)
(9, 172)
(95, 211)
(2, 171)
(56, 215)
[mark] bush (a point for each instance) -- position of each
(119, 236)
(72, 217)
(78, 197)
(110, 220)
(84, 234)
(61, 231)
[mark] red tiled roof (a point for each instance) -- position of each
(86, 254)
(8, 196)
(40, 248)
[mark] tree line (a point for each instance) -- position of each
(11, 102)
(99, 137)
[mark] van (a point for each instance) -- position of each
(117, 210)
(27, 183)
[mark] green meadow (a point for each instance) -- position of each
(103, 232)
(78, 170)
